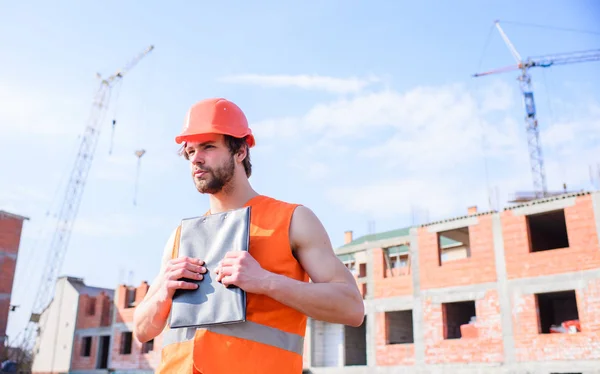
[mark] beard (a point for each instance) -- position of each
(215, 179)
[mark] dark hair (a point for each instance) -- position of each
(234, 145)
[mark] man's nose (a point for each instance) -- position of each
(197, 158)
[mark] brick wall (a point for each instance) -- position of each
(10, 237)
(486, 347)
(583, 252)
(136, 359)
(391, 354)
(478, 268)
(530, 345)
(124, 312)
(101, 316)
(396, 284)
(4, 308)
(10, 233)
(79, 362)
(7, 273)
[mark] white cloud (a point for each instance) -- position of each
(383, 151)
(390, 197)
(427, 125)
(307, 82)
(497, 96)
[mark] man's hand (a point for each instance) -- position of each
(240, 269)
(176, 269)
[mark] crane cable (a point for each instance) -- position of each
(484, 147)
(552, 27)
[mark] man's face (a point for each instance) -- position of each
(212, 165)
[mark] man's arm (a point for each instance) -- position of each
(333, 295)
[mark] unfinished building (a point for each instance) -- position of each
(89, 330)
(516, 291)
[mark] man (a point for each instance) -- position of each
(288, 245)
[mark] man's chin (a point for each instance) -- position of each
(203, 189)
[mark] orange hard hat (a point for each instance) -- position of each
(216, 116)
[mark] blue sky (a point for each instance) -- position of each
(363, 111)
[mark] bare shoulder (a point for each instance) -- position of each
(306, 230)
(313, 249)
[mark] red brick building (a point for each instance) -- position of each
(127, 353)
(516, 291)
(11, 226)
(89, 330)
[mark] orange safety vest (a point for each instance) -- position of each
(271, 341)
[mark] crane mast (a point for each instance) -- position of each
(73, 194)
(536, 158)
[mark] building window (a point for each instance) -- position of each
(362, 270)
(399, 327)
(558, 312)
(455, 315)
(547, 231)
(395, 261)
(126, 339)
(130, 298)
(354, 345)
(454, 245)
(148, 346)
(86, 346)
(91, 306)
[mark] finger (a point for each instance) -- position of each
(229, 280)
(195, 268)
(224, 271)
(184, 273)
(189, 266)
(228, 261)
(183, 285)
(233, 254)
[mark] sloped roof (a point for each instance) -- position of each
(458, 218)
(397, 233)
(549, 199)
(83, 289)
(12, 215)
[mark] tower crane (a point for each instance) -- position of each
(533, 138)
(72, 196)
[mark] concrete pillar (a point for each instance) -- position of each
(419, 328)
(504, 296)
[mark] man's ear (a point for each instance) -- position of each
(242, 153)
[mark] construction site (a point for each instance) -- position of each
(510, 290)
(515, 291)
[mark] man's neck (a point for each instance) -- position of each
(230, 199)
